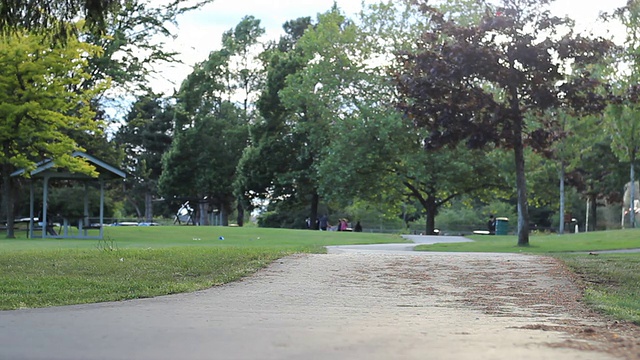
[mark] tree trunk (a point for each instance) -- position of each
(148, 207)
(224, 214)
(3, 206)
(240, 209)
(561, 230)
(130, 200)
(431, 207)
(592, 208)
(203, 211)
(9, 200)
(135, 206)
(521, 184)
(632, 211)
(518, 151)
(315, 201)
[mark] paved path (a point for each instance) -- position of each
(348, 304)
(401, 248)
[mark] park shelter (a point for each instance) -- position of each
(47, 171)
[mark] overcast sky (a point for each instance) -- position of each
(200, 30)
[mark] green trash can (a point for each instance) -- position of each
(502, 226)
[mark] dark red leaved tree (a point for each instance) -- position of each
(489, 84)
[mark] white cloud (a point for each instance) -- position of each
(586, 13)
(200, 31)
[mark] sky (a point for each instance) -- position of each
(200, 31)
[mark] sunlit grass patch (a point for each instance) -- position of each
(139, 262)
(612, 282)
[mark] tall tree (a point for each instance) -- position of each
(246, 75)
(344, 128)
(39, 103)
(313, 97)
(245, 68)
(491, 82)
(374, 147)
(597, 174)
(211, 130)
(144, 138)
(200, 165)
(621, 122)
(200, 101)
(275, 163)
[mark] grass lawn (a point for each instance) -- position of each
(130, 237)
(582, 242)
(612, 281)
(138, 262)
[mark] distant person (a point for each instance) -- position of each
(491, 225)
(358, 227)
(324, 222)
(344, 225)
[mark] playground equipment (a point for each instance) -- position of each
(184, 215)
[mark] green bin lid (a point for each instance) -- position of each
(502, 219)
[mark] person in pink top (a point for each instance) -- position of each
(343, 225)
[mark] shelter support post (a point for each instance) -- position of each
(101, 208)
(45, 197)
(31, 209)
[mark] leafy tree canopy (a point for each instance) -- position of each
(46, 14)
(490, 83)
(40, 106)
(56, 16)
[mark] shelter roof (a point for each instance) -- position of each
(47, 167)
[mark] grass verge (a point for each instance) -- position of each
(34, 278)
(612, 282)
(544, 244)
(140, 262)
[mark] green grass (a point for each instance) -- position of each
(612, 281)
(584, 242)
(198, 236)
(139, 262)
(39, 278)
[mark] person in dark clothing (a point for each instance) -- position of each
(324, 223)
(491, 225)
(358, 227)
